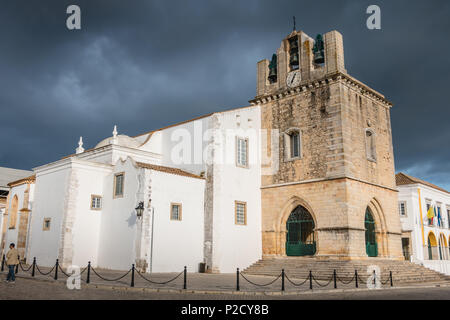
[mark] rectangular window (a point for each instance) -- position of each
(295, 145)
(240, 212)
(439, 215)
(242, 152)
(118, 184)
(96, 202)
(428, 205)
(448, 218)
(46, 226)
(175, 211)
(402, 208)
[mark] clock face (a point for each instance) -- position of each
(293, 79)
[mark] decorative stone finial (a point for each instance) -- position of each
(80, 148)
(114, 137)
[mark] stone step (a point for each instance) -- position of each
(402, 271)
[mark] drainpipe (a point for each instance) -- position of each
(151, 243)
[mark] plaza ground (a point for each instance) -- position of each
(27, 288)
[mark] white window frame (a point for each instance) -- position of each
(400, 203)
(240, 160)
(237, 220)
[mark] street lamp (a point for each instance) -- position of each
(140, 209)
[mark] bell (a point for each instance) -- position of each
(318, 57)
(273, 69)
(272, 76)
(294, 59)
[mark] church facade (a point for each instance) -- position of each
(306, 169)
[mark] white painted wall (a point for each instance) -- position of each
(237, 246)
(118, 220)
(86, 228)
(177, 243)
(410, 194)
(49, 195)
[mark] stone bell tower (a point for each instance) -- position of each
(332, 192)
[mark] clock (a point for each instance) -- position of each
(293, 78)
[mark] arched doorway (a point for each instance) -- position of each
(432, 243)
(371, 242)
(300, 239)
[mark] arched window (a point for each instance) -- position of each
(292, 144)
(13, 215)
(371, 151)
(432, 244)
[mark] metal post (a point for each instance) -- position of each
(88, 279)
(310, 279)
(374, 278)
(33, 270)
(356, 278)
(334, 278)
(17, 265)
(185, 276)
(151, 245)
(132, 275)
(237, 279)
(3, 263)
(282, 279)
(390, 278)
(56, 269)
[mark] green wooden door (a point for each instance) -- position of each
(371, 243)
(300, 239)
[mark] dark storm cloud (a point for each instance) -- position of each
(145, 64)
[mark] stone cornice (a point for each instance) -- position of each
(308, 85)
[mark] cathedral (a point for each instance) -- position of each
(307, 169)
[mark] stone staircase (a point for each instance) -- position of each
(322, 269)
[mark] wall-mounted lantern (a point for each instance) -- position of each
(140, 209)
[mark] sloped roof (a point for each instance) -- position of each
(30, 179)
(168, 170)
(404, 179)
(8, 175)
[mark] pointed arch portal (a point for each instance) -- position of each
(371, 242)
(300, 239)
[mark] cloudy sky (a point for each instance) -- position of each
(146, 64)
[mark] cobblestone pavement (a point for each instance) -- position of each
(25, 288)
(206, 282)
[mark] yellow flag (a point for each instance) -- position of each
(430, 213)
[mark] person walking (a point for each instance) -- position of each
(12, 259)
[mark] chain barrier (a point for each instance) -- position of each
(296, 284)
(117, 279)
(260, 285)
(345, 282)
(361, 280)
(323, 286)
(25, 270)
(165, 282)
(45, 273)
(355, 278)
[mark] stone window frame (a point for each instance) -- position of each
(95, 196)
(400, 203)
(371, 154)
(236, 204)
(438, 207)
(180, 211)
(238, 138)
(115, 183)
(44, 224)
(287, 136)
